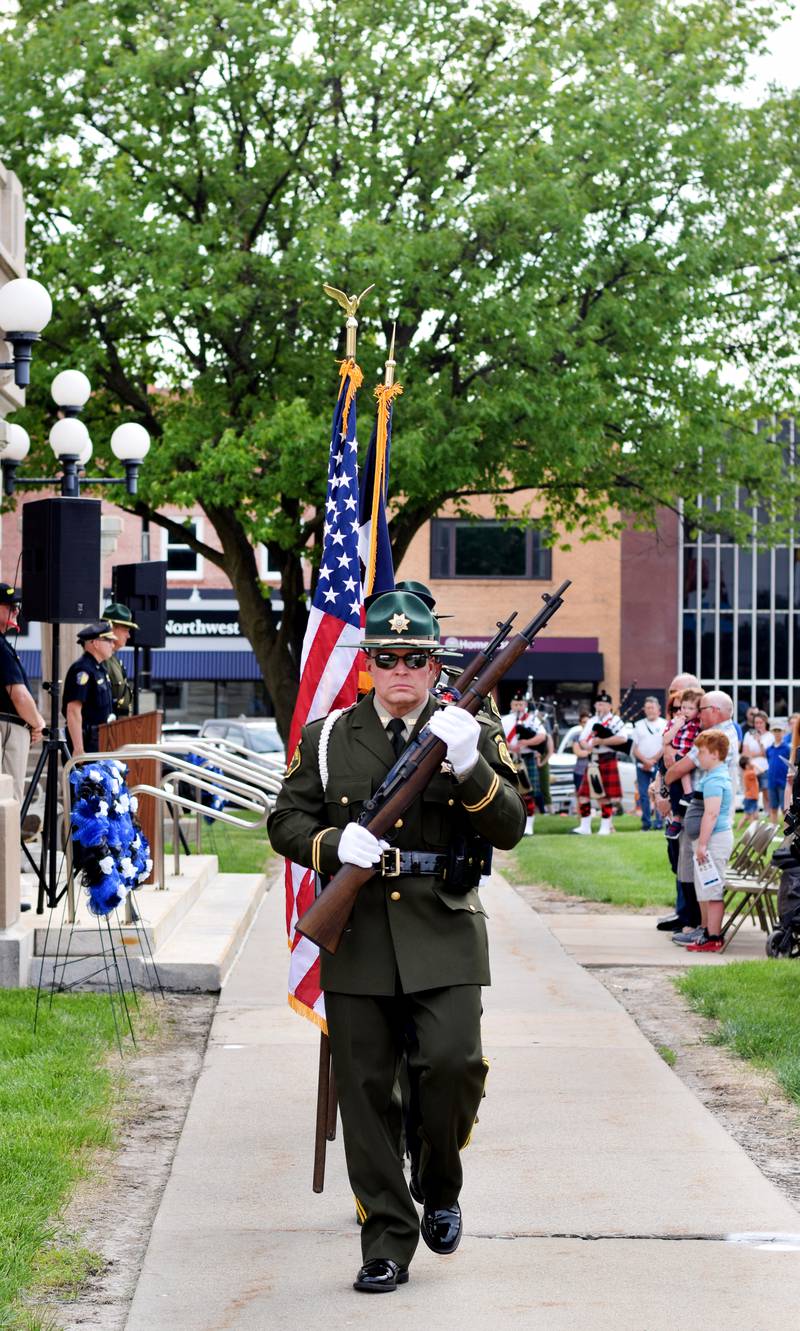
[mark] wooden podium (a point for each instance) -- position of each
(144, 729)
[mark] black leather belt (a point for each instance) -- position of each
(13, 720)
(395, 862)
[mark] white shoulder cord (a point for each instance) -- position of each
(329, 723)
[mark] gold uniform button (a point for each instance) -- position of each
(472, 908)
(399, 823)
(344, 799)
(451, 802)
(395, 896)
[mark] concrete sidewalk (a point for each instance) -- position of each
(598, 1190)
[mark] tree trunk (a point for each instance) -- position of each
(275, 649)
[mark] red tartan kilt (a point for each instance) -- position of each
(609, 772)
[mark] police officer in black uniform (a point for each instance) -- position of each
(20, 719)
(87, 701)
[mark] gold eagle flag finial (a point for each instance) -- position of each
(350, 306)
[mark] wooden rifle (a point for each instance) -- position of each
(325, 920)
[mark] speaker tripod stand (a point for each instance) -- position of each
(52, 758)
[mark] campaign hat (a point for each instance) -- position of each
(102, 629)
(117, 613)
(400, 619)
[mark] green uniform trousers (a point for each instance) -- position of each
(440, 1029)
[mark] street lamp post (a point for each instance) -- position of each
(25, 309)
(72, 445)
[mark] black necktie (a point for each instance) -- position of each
(396, 731)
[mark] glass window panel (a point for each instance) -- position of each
(780, 706)
(781, 667)
(727, 560)
(707, 671)
(745, 578)
(796, 622)
(690, 580)
(763, 579)
(762, 647)
(708, 578)
(441, 533)
(744, 653)
(744, 503)
(782, 586)
(689, 662)
(541, 555)
(797, 577)
(726, 667)
(763, 699)
(495, 553)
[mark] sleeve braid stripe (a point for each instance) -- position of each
(488, 797)
(315, 849)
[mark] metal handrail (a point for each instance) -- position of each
(242, 793)
(167, 796)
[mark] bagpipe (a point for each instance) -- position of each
(629, 710)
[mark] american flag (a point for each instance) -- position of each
(329, 666)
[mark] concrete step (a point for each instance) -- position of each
(200, 953)
(161, 913)
(196, 956)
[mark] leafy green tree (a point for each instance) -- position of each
(588, 239)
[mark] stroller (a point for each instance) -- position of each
(784, 941)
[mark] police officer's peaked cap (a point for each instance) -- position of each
(116, 613)
(9, 595)
(102, 629)
(400, 619)
(603, 696)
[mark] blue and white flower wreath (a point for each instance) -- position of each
(114, 856)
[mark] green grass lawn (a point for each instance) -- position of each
(627, 870)
(239, 849)
(56, 1097)
(757, 1006)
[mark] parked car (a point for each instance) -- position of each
(562, 766)
(258, 734)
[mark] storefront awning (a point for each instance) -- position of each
(177, 665)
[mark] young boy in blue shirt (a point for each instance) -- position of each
(713, 846)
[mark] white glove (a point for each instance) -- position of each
(461, 733)
(358, 846)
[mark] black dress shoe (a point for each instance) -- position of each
(380, 1275)
(441, 1228)
(669, 924)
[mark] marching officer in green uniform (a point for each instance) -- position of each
(121, 621)
(86, 703)
(408, 973)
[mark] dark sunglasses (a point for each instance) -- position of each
(388, 660)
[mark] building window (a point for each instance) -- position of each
(183, 563)
(740, 613)
(488, 549)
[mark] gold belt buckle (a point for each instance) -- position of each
(395, 871)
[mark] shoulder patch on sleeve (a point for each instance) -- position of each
(295, 762)
(83, 677)
(503, 753)
(492, 705)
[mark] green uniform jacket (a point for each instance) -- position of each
(411, 927)
(121, 691)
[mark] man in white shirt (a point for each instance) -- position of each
(647, 749)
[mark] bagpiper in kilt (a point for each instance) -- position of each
(601, 780)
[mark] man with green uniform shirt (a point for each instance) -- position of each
(411, 963)
(121, 621)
